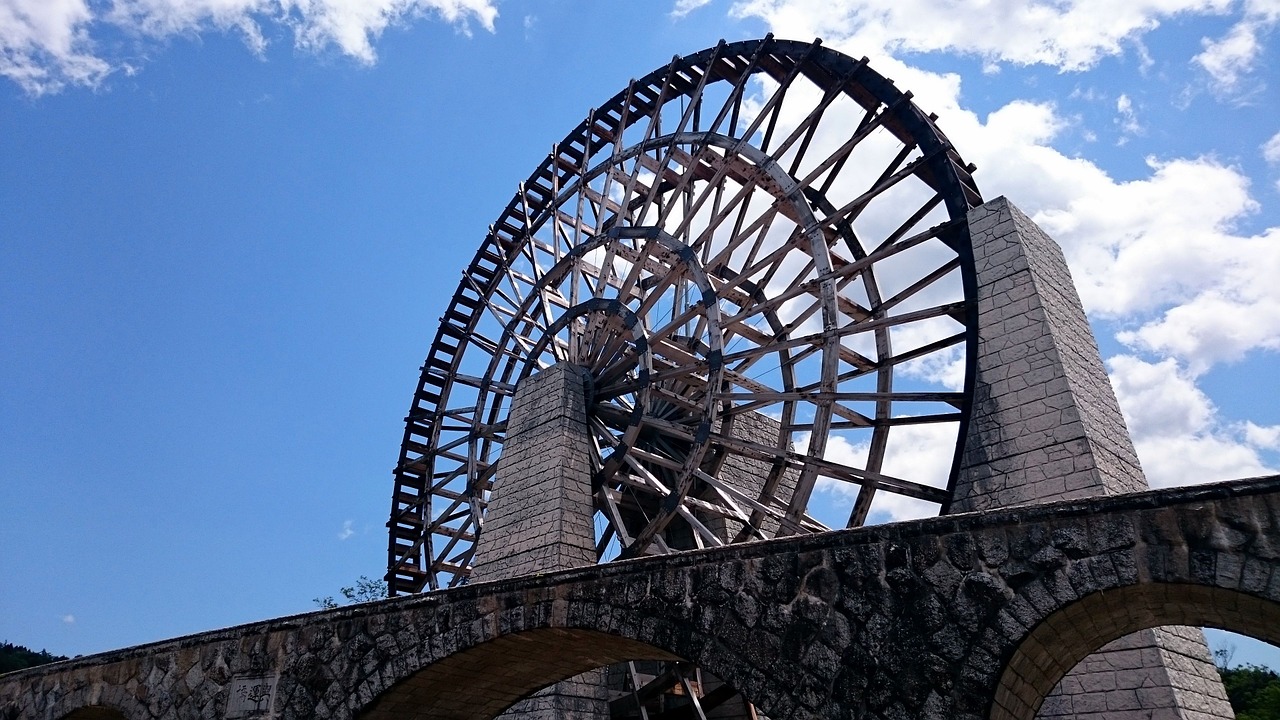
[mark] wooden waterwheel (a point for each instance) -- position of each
(758, 252)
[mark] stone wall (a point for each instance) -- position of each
(749, 475)
(540, 510)
(1045, 423)
(1170, 675)
(967, 616)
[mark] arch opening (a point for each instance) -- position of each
(671, 691)
(480, 682)
(1066, 637)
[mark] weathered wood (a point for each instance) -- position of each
(745, 304)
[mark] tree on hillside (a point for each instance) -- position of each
(1254, 692)
(16, 657)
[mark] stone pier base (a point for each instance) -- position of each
(1045, 425)
(540, 516)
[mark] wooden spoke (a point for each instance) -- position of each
(725, 248)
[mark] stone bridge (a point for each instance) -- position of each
(966, 616)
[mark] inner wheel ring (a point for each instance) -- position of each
(760, 253)
(629, 400)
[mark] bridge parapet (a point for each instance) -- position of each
(974, 615)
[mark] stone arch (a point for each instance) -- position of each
(359, 662)
(85, 697)
(678, 613)
(1067, 635)
(483, 680)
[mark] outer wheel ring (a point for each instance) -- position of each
(714, 186)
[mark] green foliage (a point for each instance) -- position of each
(16, 657)
(366, 589)
(1254, 691)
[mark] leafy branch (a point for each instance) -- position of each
(366, 589)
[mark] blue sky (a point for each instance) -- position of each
(227, 230)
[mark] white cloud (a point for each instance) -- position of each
(47, 44)
(1271, 150)
(1262, 437)
(1128, 117)
(44, 44)
(1229, 59)
(1157, 399)
(945, 368)
(1070, 35)
(1222, 323)
(347, 530)
(1194, 459)
(1176, 429)
(350, 25)
(1139, 243)
(69, 619)
(684, 7)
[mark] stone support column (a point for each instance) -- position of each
(540, 515)
(1045, 425)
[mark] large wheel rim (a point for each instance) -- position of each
(715, 256)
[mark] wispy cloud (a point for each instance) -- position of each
(1072, 35)
(69, 619)
(684, 7)
(1127, 117)
(1188, 290)
(347, 531)
(46, 45)
(1232, 58)
(1271, 150)
(1262, 436)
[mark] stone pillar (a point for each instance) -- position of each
(540, 515)
(1045, 422)
(749, 475)
(1045, 425)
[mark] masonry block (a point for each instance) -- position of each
(750, 475)
(1045, 425)
(1041, 385)
(540, 512)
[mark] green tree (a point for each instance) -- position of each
(16, 657)
(1254, 691)
(366, 589)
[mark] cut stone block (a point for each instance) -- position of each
(1045, 425)
(540, 516)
